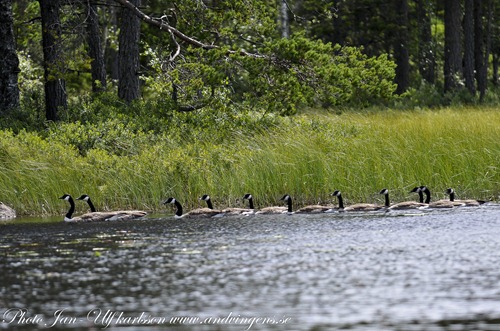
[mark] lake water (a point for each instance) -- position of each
(431, 270)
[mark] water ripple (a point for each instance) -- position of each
(434, 270)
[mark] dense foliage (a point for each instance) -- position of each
(249, 111)
(232, 56)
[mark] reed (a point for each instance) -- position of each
(308, 156)
(361, 154)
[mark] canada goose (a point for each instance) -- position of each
(195, 213)
(6, 212)
(251, 207)
(207, 199)
(227, 211)
(467, 203)
(249, 197)
(99, 216)
(288, 200)
(440, 203)
(404, 204)
(269, 210)
(114, 215)
(356, 207)
(307, 209)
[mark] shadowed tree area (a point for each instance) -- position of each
(253, 55)
(9, 63)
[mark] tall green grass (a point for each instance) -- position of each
(361, 154)
(307, 156)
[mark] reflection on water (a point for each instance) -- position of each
(434, 270)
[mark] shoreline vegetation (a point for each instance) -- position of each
(124, 164)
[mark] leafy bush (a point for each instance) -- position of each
(285, 75)
(112, 136)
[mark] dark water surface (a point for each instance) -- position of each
(432, 270)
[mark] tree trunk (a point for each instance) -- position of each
(9, 63)
(98, 68)
(479, 57)
(339, 27)
(452, 45)
(401, 54)
(55, 88)
(426, 58)
(469, 46)
(128, 54)
(285, 25)
(490, 35)
(110, 52)
(495, 76)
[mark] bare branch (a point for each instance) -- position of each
(162, 25)
(189, 108)
(34, 19)
(177, 51)
(295, 16)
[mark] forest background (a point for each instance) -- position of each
(134, 101)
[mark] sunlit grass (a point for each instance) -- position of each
(307, 156)
(361, 154)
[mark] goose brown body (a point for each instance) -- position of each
(265, 210)
(313, 209)
(95, 216)
(227, 211)
(467, 202)
(355, 207)
(195, 213)
(440, 203)
(404, 204)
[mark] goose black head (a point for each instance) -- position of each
(169, 200)
(83, 197)
(416, 190)
(384, 191)
(247, 196)
(336, 193)
(205, 197)
(286, 197)
(66, 197)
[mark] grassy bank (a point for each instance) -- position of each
(307, 156)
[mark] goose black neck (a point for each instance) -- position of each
(387, 202)
(427, 195)
(289, 202)
(209, 204)
(71, 210)
(178, 212)
(91, 205)
(452, 196)
(341, 201)
(420, 197)
(250, 203)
